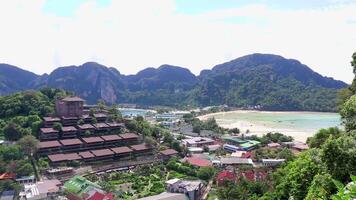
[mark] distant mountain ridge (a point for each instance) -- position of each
(271, 81)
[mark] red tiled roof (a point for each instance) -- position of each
(64, 157)
(102, 152)
(114, 124)
(100, 125)
(199, 162)
(85, 126)
(111, 137)
(68, 128)
(92, 139)
(246, 155)
(139, 147)
(49, 144)
(86, 154)
(48, 130)
(7, 175)
(169, 152)
(68, 142)
(129, 135)
(120, 150)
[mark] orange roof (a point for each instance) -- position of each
(199, 162)
(7, 175)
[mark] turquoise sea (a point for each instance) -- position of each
(298, 124)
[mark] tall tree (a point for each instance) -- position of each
(29, 144)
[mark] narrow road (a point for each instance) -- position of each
(207, 190)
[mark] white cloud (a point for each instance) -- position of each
(131, 35)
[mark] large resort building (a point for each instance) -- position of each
(83, 139)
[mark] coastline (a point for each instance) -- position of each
(260, 128)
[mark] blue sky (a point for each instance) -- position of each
(130, 35)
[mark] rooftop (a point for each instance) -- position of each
(48, 130)
(51, 119)
(235, 160)
(89, 140)
(100, 115)
(249, 144)
(166, 196)
(69, 129)
(234, 139)
(111, 137)
(198, 140)
(102, 152)
(64, 157)
(187, 184)
(115, 124)
(199, 162)
(72, 99)
(101, 125)
(7, 175)
(129, 136)
(85, 126)
(69, 118)
(49, 144)
(86, 154)
(139, 147)
(273, 144)
(169, 152)
(79, 185)
(68, 142)
(120, 150)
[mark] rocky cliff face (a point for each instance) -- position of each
(91, 81)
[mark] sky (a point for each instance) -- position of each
(130, 35)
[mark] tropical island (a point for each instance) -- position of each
(56, 146)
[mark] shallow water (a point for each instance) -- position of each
(303, 121)
(300, 125)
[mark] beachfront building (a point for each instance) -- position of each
(193, 189)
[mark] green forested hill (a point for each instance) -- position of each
(271, 81)
(266, 80)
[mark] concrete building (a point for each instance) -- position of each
(235, 161)
(193, 189)
(197, 142)
(46, 189)
(69, 106)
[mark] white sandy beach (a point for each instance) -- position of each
(260, 128)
